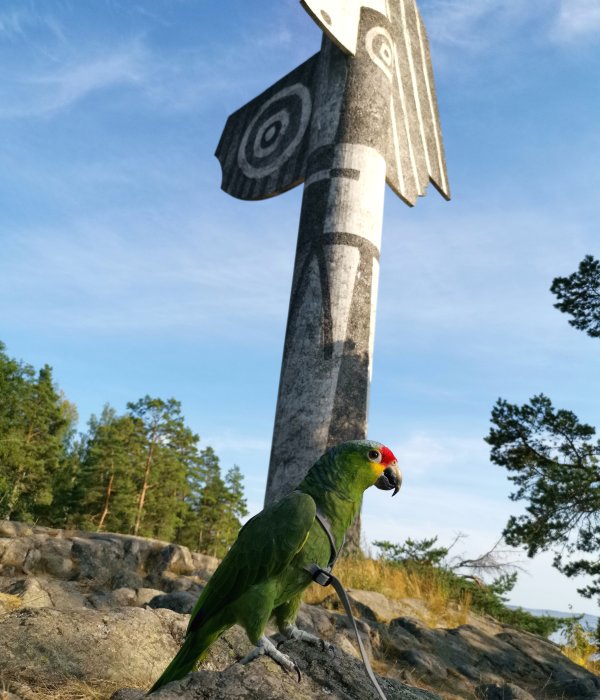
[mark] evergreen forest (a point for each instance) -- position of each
(141, 472)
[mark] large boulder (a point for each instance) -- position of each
(181, 602)
(30, 593)
(71, 611)
(337, 676)
(455, 659)
(506, 691)
(100, 560)
(374, 606)
(127, 645)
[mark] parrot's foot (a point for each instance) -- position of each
(291, 632)
(266, 646)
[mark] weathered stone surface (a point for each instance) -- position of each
(144, 595)
(323, 675)
(11, 528)
(180, 602)
(470, 654)
(204, 565)
(101, 560)
(508, 691)
(13, 553)
(55, 559)
(124, 645)
(30, 592)
(174, 558)
(170, 582)
(334, 628)
(66, 595)
(424, 665)
(122, 597)
(106, 600)
(90, 629)
(375, 606)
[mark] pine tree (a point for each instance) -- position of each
(56, 512)
(215, 506)
(106, 489)
(140, 472)
(35, 422)
(170, 455)
(552, 458)
(235, 506)
(579, 296)
(554, 461)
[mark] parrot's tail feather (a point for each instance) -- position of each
(193, 649)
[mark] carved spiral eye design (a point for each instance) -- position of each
(275, 132)
(380, 48)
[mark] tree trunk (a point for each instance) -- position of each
(142, 498)
(106, 502)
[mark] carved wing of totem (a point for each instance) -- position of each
(264, 145)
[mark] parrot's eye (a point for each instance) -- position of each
(374, 455)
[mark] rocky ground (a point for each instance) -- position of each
(84, 615)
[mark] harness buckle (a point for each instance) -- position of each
(320, 576)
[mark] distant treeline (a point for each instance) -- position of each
(141, 472)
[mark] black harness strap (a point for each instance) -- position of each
(324, 577)
(326, 525)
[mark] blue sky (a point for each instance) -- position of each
(124, 266)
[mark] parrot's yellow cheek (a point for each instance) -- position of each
(377, 470)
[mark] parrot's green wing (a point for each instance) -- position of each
(264, 548)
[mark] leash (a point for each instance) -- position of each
(324, 577)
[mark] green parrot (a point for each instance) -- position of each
(267, 568)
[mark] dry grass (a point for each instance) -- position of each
(438, 607)
(9, 603)
(69, 689)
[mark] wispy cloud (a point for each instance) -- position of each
(46, 90)
(181, 79)
(469, 27)
(137, 278)
(578, 19)
(73, 83)
(12, 23)
(474, 25)
(15, 23)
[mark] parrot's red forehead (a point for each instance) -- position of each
(387, 455)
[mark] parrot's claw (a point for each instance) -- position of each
(266, 646)
(297, 669)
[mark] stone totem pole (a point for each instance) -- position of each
(358, 114)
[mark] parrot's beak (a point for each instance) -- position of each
(391, 478)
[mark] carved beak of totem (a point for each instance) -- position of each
(391, 478)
